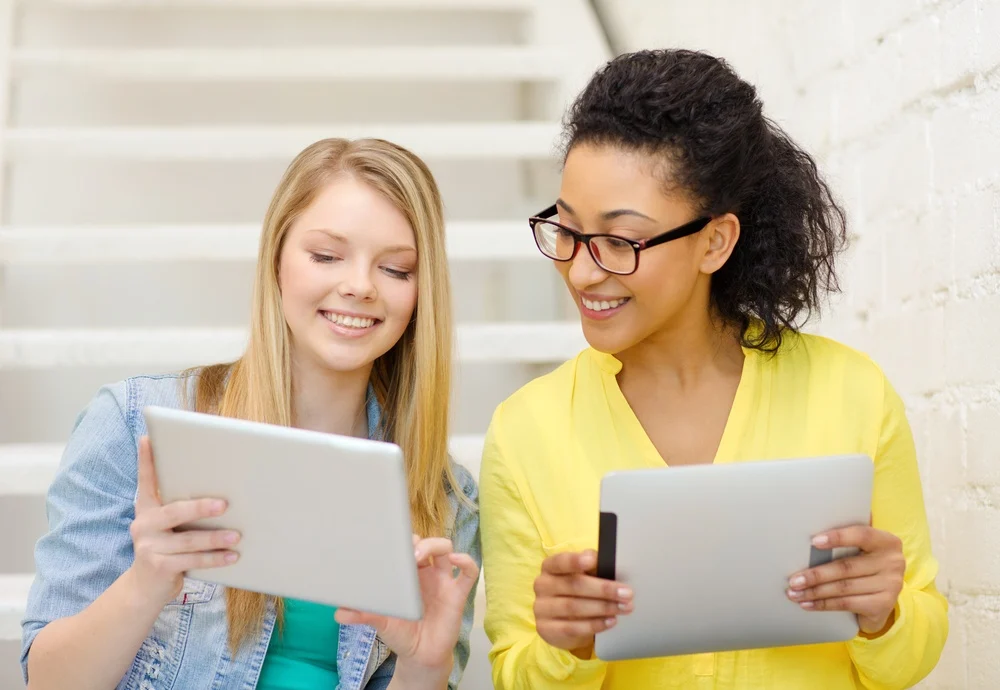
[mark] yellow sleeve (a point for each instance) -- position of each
(910, 649)
(512, 559)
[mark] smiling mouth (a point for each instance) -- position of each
(346, 321)
(603, 305)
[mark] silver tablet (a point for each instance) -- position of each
(323, 517)
(708, 551)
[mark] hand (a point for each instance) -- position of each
(427, 646)
(867, 585)
(163, 555)
(571, 604)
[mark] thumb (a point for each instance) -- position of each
(352, 617)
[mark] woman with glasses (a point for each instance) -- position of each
(695, 238)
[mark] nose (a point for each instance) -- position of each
(357, 283)
(584, 271)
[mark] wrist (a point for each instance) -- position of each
(413, 676)
(145, 595)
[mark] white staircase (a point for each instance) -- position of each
(140, 141)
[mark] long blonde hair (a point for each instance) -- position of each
(412, 381)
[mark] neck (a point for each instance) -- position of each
(330, 401)
(684, 354)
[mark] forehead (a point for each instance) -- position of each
(356, 211)
(603, 178)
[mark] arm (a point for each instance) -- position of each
(910, 648)
(85, 619)
(95, 597)
(512, 560)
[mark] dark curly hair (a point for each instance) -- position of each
(708, 125)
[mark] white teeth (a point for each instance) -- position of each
(603, 304)
(349, 321)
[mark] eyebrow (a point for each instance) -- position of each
(396, 248)
(609, 215)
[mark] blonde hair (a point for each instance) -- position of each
(412, 381)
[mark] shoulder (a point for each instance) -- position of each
(550, 392)
(824, 358)
(464, 480)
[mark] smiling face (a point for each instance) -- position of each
(347, 275)
(609, 190)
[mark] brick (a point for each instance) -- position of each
(863, 275)
(864, 97)
(920, 59)
(965, 138)
(896, 169)
(958, 43)
(950, 672)
(972, 331)
(870, 21)
(983, 444)
(939, 436)
(981, 650)
(974, 550)
(977, 235)
(824, 49)
(988, 58)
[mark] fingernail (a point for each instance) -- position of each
(624, 593)
(821, 541)
(232, 537)
(625, 608)
(417, 554)
(793, 594)
(610, 623)
(218, 506)
(797, 581)
(231, 557)
(807, 605)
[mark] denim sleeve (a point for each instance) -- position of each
(89, 508)
(466, 540)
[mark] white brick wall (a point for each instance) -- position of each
(900, 99)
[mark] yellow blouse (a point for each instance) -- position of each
(550, 443)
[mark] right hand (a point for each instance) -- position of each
(163, 555)
(572, 605)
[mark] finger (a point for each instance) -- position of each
(193, 541)
(204, 559)
(147, 493)
(569, 563)
(840, 569)
(571, 608)
(352, 617)
(860, 605)
(466, 565)
(554, 629)
(590, 587)
(431, 547)
(840, 588)
(864, 537)
(183, 512)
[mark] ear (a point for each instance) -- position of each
(723, 234)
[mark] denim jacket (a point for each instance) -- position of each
(88, 546)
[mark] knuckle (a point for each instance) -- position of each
(842, 586)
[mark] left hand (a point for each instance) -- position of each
(867, 584)
(427, 646)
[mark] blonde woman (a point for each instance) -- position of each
(350, 334)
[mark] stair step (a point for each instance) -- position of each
(178, 348)
(367, 5)
(27, 469)
(466, 240)
(13, 596)
(450, 141)
(418, 63)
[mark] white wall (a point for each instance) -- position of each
(900, 100)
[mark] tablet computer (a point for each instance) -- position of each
(708, 550)
(324, 518)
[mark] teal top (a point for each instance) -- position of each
(302, 654)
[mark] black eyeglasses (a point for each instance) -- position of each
(618, 255)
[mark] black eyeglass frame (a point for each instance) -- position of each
(696, 225)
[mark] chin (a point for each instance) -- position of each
(608, 343)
